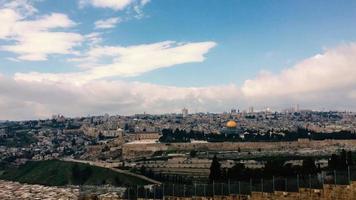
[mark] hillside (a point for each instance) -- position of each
(58, 173)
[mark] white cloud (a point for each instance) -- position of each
(22, 6)
(107, 23)
(144, 2)
(137, 8)
(38, 45)
(28, 100)
(325, 80)
(322, 81)
(93, 39)
(132, 6)
(38, 38)
(113, 4)
(335, 69)
(128, 61)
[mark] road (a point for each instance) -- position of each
(112, 167)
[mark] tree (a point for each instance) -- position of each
(126, 127)
(349, 158)
(215, 170)
(193, 153)
(273, 168)
(236, 172)
(143, 170)
(343, 159)
(309, 166)
(333, 161)
(340, 161)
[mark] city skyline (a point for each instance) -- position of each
(90, 57)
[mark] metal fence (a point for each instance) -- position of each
(289, 184)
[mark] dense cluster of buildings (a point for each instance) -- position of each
(215, 123)
(126, 139)
(40, 140)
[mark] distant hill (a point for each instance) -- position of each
(59, 173)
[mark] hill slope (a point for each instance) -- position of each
(58, 173)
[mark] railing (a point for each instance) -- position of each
(246, 187)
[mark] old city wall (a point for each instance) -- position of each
(329, 192)
(143, 150)
(233, 146)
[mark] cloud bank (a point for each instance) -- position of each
(29, 100)
(325, 80)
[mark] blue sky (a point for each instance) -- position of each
(250, 35)
(238, 41)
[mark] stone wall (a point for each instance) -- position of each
(143, 150)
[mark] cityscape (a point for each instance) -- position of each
(178, 151)
(177, 100)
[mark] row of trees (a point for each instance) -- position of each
(173, 178)
(272, 168)
(170, 136)
(278, 168)
(341, 161)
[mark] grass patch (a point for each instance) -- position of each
(59, 173)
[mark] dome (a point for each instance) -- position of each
(231, 124)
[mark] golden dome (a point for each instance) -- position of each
(231, 124)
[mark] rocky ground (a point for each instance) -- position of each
(18, 191)
(13, 190)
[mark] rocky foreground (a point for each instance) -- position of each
(13, 190)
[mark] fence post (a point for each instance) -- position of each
(273, 186)
(334, 177)
(154, 192)
(213, 189)
(298, 182)
(136, 191)
(173, 191)
(184, 190)
(163, 191)
(205, 190)
(310, 183)
(228, 187)
(251, 185)
(349, 174)
(128, 193)
(222, 189)
(239, 188)
(195, 191)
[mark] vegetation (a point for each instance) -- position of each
(215, 170)
(19, 138)
(341, 161)
(59, 173)
(170, 136)
(276, 167)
